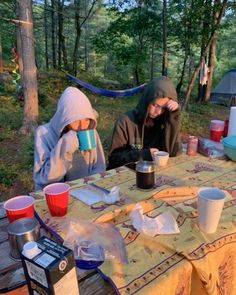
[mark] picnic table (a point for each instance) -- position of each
(190, 262)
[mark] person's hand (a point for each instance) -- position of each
(70, 144)
(172, 105)
(152, 151)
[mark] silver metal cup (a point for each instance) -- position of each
(21, 231)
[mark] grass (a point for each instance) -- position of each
(16, 151)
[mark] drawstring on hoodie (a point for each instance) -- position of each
(90, 166)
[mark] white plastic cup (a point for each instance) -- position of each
(232, 122)
(161, 158)
(210, 205)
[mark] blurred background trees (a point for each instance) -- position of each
(129, 42)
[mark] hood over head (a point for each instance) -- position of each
(73, 105)
(158, 88)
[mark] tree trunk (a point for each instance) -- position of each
(197, 69)
(86, 45)
(64, 54)
(20, 54)
(53, 18)
(186, 44)
(86, 48)
(78, 28)
(77, 37)
(211, 62)
(136, 74)
(165, 53)
(60, 31)
(179, 86)
(1, 66)
(152, 60)
(205, 37)
(212, 51)
(46, 34)
(30, 115)
(75, 53)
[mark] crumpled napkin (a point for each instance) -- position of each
(162, 224)
(113, 196)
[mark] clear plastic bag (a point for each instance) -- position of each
(210, 148)
(94, 241)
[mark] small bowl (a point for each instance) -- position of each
(90, 248)
(229, 143)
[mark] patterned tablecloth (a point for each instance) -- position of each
(190, 262)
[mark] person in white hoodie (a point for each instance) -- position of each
(57, 157)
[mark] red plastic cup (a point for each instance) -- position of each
(216, 130)
(225, 132)
(19, 207)
(216, 135)
(57, 195)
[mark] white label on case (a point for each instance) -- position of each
(44, 260)
(36, 273)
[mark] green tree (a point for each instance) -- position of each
(130, 38)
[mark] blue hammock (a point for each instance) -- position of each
(106, 92)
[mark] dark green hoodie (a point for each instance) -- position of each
(133, 135)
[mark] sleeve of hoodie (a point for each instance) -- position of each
(172, 134)
(100, 163)
(121, 151)
(51, 164)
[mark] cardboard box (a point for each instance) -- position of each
(52, 270)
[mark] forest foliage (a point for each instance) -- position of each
(124, 40)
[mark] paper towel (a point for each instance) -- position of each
(162, 224)
(92, 194)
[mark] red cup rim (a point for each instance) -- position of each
(15, 198)
(47, 188)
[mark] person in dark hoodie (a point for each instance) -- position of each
(153, 125)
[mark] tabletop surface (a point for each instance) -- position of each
(150, 259)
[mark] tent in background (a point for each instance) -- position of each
(225, 92)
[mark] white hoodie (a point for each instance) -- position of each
(58, 158)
